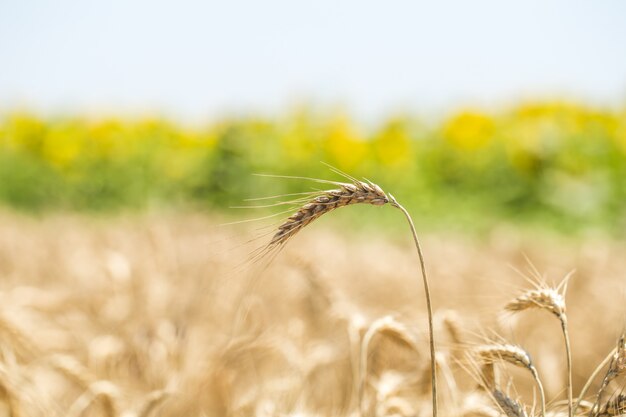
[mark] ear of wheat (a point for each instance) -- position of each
(610, 360)
(508, 405)
(390, 327)
(545, 298)
(552, 300)
(516, 356)
(508, 353)
(357, 192)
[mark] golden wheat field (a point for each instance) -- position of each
(161, 315)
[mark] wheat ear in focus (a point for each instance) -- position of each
(357, 192)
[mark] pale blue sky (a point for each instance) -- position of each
(205, 58)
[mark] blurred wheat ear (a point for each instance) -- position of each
(392, 328)
(516, 356)
(349, 193)
(552, 300)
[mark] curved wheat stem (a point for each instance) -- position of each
(568, 355)
(431, 336)
(593, 376)
(617, 368)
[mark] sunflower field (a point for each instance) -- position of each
(552, 163)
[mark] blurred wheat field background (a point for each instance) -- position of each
(130, 286)
(153, 315)
(312, 209)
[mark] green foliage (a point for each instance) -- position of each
(558, 164)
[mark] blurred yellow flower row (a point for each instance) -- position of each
(526, 154)
(534, 128)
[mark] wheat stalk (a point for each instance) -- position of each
(516, 356)
(431, 336)
(617, 367)
(607, 359)
(552, 300)
(357, 192)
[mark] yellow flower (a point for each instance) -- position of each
(108, 138)
(620, 134)
(298, 141)
(24, 132)
(343, 145)
(393, 144)
(63, 144)
(469, 130)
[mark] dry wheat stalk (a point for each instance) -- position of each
(357, 192)
(617, 367)
(552, 300)
(515, 356)
(581, 402)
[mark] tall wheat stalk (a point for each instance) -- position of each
(552, 300)
(431, 336)
(356, 192)
(617, 367)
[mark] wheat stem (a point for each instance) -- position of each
(431, 337)
(593, 376)
(355, 193)
(568, 354)
(542, 394)
(617, 367)
(549, 299)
